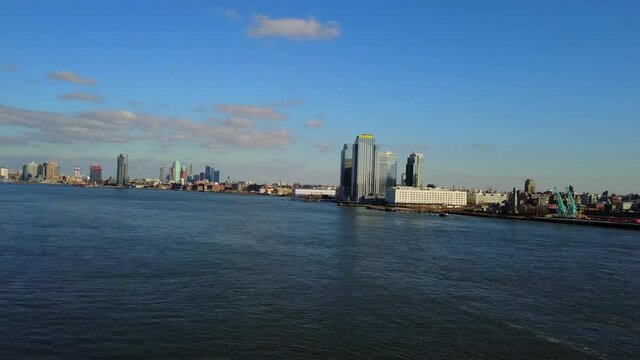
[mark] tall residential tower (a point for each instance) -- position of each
(365, 180)
(346, 169)
(122, 178)
(387, 168)
(415, 170)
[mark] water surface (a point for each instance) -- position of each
(98, 272)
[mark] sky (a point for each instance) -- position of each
(492, 92)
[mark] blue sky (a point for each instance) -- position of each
(492, 92)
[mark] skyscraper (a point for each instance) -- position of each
(364, 183)
(52, 171)
(530, 186)
(207, 173)
(76, 170)
(95, 173)
(387, 171)
(175, 173)
(190, 170)
(346, 169)
(122, 177)
(415, 170)
(216, 176)
(161, 173)
(30, 171)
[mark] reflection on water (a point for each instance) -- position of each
(100, 272)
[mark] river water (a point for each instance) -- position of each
(104, 273)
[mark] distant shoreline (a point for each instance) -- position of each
(436, 210)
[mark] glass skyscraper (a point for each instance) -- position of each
(415, 170)
(95, 172)
(387, 168)
(122, 178)
(365, 179)
(175, 172)
(346, 169)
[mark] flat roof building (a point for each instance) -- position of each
(408, 195)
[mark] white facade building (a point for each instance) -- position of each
(481, 198)
(4, 173)
(429, 196)
(314, 192)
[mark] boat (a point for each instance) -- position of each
(443, 214)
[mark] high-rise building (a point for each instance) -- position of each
(216, 176)
(52, 171)
(207, 173)
(42, 171)
(190, 170)
(387, 168)
(346, 169)
(161, 173)
(183, 173)
(175, 172)
(122, 178)
(530, 186)
(76, 170)
(364, 177)
(95, 173)
(415, 170)
(30, 171)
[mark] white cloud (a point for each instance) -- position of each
(323, 147)
(246, 137)
(71, 77)
(314, 123)
(293, 28)
(108, 126)
(250, 112)
(81, 97)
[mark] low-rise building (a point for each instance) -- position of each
(4, 173)
(481, 198)
(407, 195)
(299, 192)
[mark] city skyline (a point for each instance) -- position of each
(486, 107)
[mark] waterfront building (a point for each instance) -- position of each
(4, 173)
(52, 171)
(122, 176)
(30, 171)
(409, 195)
(477, 198)
(364, 179)
(299, 192)
(513, 201)
(415, 170)
(175, 172)
(346, 169)
(588, 199)
(387, 168)
(42, 171)
(95, 173)
(529, 186)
